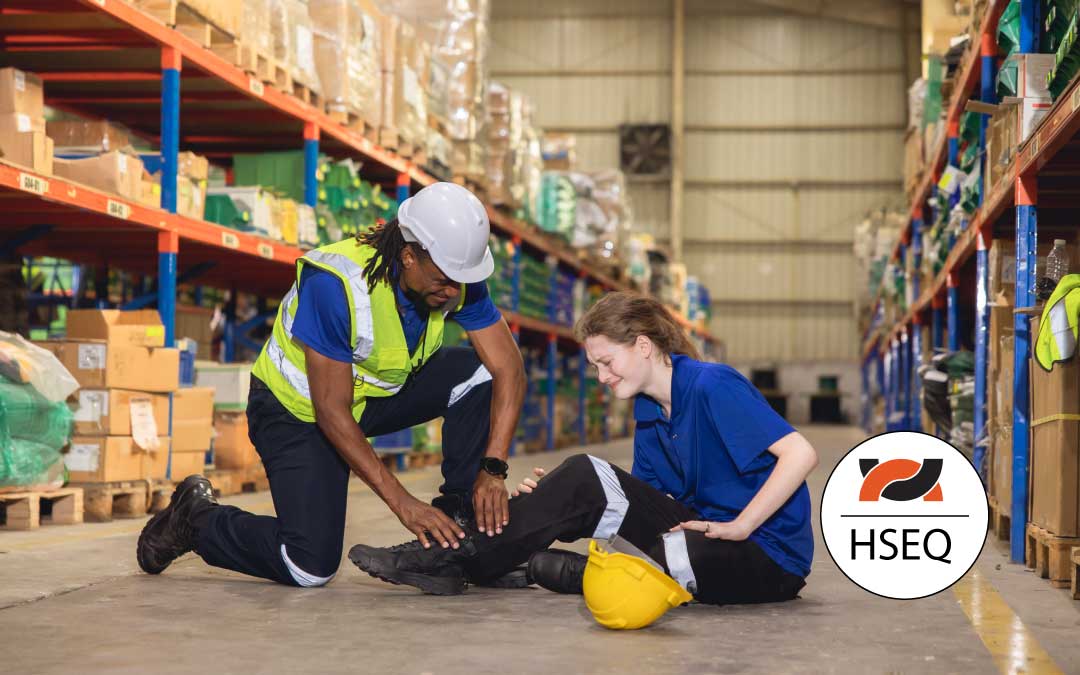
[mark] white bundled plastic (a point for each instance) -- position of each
(255, 26)
(294, 41)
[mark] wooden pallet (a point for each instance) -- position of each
(390, 139)
(187, 20)
(355, 123)
(1000, 520)
(160, 494)
(418, 460)
(102, 502)
(274, 73)
(247, 58)
(228, 482)
(476, 183)
(1074, 572)
(1049, 555)
(306, 94)
(29, 510)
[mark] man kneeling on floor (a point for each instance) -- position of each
(356, 352)
(717, 494)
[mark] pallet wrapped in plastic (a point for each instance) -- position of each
(255, 27)
(35, 422)
(404, 63)
(458, 32)
(347, 56)
(294, 41)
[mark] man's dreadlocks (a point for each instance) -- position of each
(388, 242)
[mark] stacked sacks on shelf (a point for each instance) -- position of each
(948, 387)
(35, 423)
(562, 297)
(875, 238)
(591, 211)
(535, 289)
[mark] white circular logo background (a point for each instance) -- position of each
(897, 526)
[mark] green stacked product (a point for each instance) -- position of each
(350, 202)
(1061, 26)
(32, 432)
(557, 210)
(933, 105)
(221, 209)
(535, 288)
(501, 282)
(279, 172)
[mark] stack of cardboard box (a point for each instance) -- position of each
(125, 377)
(192, 430)
(22, 121)
(230, 382)
(1016, 118)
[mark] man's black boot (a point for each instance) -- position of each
(458, 507)
(558, 570)
(175, 530)
(435, 570)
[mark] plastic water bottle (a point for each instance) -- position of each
(1057, 266)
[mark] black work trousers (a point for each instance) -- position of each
(302, 545)
(589, 497)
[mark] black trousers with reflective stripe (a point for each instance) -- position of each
(570, 503)
(309, 479)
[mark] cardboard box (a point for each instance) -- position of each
(92, 459)
(193, 419)
(141, 327)
(1055, 447)
(999, 420)
(113, 171)
(230, 381)
(194, 323)
(232, 447)
(107, 412)
(192, 166)
(190, 198)
(99, 365)
(98, 135)
(21, 92)
(21, 142)
(185, 464)
(156, 464)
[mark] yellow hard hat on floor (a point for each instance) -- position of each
(625, 592)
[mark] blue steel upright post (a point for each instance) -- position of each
(403, 184)
(916, 381)
(905, 377)
(1026, 242)
(982, 329)
(311, 164)
(169, 241)
(1026, 196)
(552, 359)
(988, 51)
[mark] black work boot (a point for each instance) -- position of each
(174, 531)
(458, 507)
(558, 570)
(435, 570)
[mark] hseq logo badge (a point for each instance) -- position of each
(904, 515)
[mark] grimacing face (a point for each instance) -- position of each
(623, 368)
(424, 281)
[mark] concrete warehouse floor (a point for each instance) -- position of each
(72, 600)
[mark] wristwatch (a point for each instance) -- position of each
(495, 466)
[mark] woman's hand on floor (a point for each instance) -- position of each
(732, 531)
(526, 486)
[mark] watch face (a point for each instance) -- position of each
(495, 466)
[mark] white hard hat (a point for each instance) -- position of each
(452, 225)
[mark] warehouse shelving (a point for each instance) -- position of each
(1045, 172)
(106, 59)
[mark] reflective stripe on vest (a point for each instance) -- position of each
(381, 359)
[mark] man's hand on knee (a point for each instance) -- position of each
(491, 503)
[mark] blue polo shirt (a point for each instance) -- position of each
(322, 316)
(712, 455)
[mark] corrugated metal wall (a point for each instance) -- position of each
(794, 130)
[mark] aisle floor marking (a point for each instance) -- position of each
(1013, 647)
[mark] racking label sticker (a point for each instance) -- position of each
(99, 3)
(118, 209)
(266, 251)
(230, 240)
(31, 183)
(1076, 99)
(255, 86)
(1036, 141)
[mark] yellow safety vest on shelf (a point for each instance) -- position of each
(1057, 336)
(381, 359)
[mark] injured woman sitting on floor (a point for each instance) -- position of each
(717, 493)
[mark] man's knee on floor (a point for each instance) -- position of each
(309, 570)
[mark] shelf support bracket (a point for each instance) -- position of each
(1026, 243)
